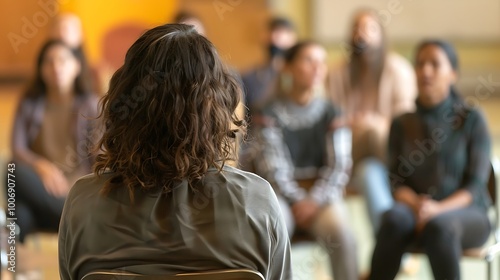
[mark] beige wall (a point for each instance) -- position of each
(236, 27)
(479, 59)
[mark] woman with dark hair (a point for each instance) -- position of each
(439, 163)
(52, 137)
(307, 157)
(67, 27)
(162, 200)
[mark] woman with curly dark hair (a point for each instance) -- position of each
(162, 200)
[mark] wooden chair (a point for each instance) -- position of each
(224, 274)
(489, 251)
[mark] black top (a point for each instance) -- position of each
(439, 150)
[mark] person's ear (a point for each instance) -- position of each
(454, 77)
(78, 68)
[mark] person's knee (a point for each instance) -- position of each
(397, 220)
(393, 218)
(340, 238)
(333, 230)
(440, 229)
(370, 178)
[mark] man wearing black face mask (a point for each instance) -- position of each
(258, 83)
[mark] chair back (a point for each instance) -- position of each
(224, 274)
(492, 182)
(492, 190)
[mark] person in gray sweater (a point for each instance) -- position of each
(306, 156)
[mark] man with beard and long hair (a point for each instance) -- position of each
(371, 88)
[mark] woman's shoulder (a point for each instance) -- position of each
(406, 119)
(398, 62)
(30, 102)
(249, 184)
(234, 173)
(254, 192)
(88, 185)
(399, 67)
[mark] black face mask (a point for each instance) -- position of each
(275, 51)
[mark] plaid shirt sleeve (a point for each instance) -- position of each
(275, 164)
(334, 176)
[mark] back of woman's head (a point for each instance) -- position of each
(39, 85)
(168, 112)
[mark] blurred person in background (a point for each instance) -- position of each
(54, 130)
(306, 156)
(372, 87)
(439, 161)
(259, 82)
(185, 17)
(67, 27)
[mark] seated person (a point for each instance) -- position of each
(307, 158)
(67, 27)
(439, 161)
(258, 82)
(52, 137)
(371, 87)
(161, 200)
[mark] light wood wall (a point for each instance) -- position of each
(236, 27)
(24, 26)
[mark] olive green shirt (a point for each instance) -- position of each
(233, 220)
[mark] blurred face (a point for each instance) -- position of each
(68, 28)
(435, 75)
(308, 69)
(60, 68)
(197, 25)
(366, 32)
(283, 38)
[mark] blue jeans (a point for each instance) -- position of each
(372, 180)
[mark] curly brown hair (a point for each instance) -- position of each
(169, 113)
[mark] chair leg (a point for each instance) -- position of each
(489, 277)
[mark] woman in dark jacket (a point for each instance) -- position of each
(439, 166)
